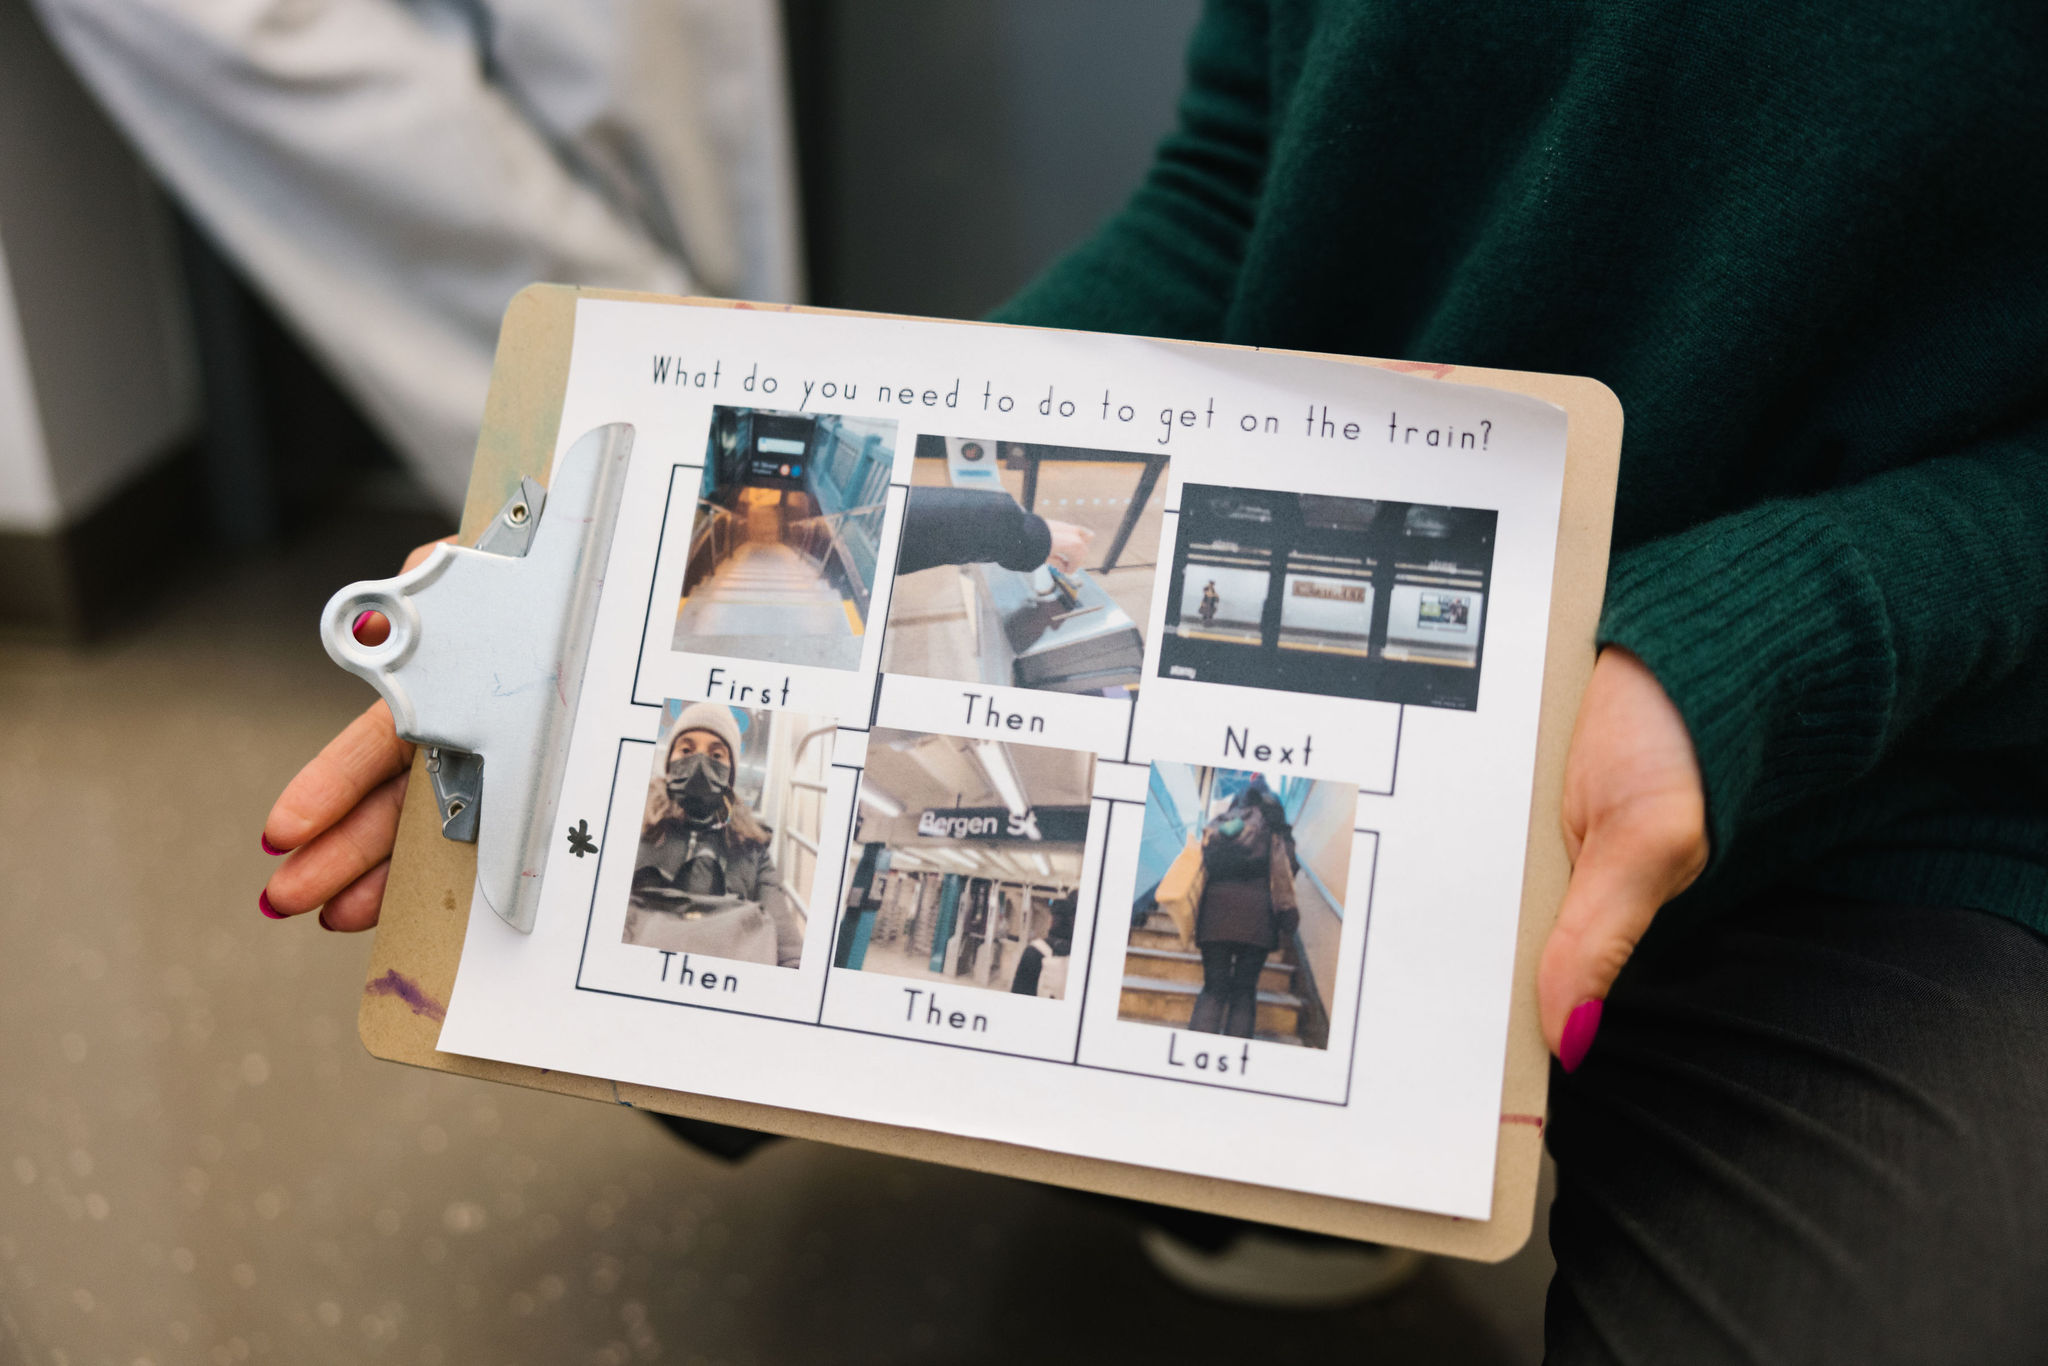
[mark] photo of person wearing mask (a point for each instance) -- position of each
(705, 881)
(1248, 908)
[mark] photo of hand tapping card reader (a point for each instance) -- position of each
(1045, 628)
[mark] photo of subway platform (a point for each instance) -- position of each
(1342, 597)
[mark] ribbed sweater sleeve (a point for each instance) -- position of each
(970, 526)
(1804, 639)
(1165, 266)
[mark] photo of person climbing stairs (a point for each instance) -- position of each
(1239, 907)
(786, 537)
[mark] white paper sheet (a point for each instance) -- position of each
(1417, 574)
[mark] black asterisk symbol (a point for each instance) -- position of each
(579, 839)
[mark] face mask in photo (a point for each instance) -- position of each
(699, 783)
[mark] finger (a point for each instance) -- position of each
(419, 553)
(1627, 869)
(344, 852)
(357, 906)
(354, 763)
(1574, 834)
(371, 628)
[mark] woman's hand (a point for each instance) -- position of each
(338, 818)
(1069, 545)
(1635, 828)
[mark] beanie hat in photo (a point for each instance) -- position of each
(714, 717)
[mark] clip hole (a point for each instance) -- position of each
(371, 627)
(456, 808)
(517, 514)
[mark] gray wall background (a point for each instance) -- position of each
(953, 148)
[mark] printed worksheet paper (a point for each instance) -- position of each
(1117, 747)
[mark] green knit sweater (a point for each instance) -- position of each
(1807, 245)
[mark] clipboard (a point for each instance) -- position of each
(419, 941)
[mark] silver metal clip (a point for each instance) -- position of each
(485, 660)
(458, 791)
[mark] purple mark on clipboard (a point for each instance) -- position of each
(396, 983)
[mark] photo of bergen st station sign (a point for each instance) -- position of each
(966, 862)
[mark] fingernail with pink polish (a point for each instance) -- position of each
(270, 848)
(357, 625)
(323, 920)
(1579, 1028)
(263, 905)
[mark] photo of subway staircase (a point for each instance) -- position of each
(766, 588)
(781, 561)
(1162, 979)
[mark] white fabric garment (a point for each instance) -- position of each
(390, 174)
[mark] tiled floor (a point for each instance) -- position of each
(198, 1162)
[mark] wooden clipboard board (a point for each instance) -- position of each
(426, 903)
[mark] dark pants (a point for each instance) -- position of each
(1816, 1132)
(1229, 1003)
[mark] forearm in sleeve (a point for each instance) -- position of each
(970, 526)
(379, 191)
(1805, 639)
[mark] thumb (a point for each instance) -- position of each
(1627, 868)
